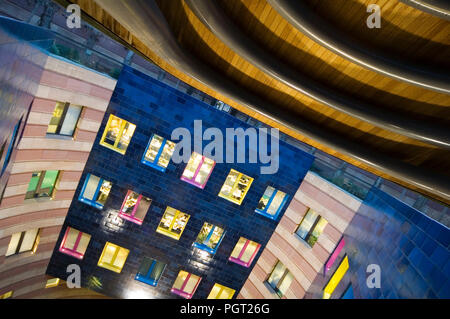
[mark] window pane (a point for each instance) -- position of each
(166, 154)
(48, 183)
(238, 248)
(229, 183)
(182, 275)
(104, 192)
(214, 294)
(318, 229)
(145, 266)
(91, 187)
(180, 223)
(70, 120)
(56, 117)
(113, 130)
(130, 202)
(276, 203)
(126, 136)
(28, 240)
(154, 147)
(192, 282)
(307, 223)
(276, 275)
(265, 198)
(157, 270)
(109, 252)
(12, 247)
(143, 207)
(286, 283)
(82, 245)
(71, 238)
(192, 165)
(215, 237)
(251, 247)
(204, 232)
(226, 294)
(167, 218)
(33, 184)
(204, 172)
(121, 257)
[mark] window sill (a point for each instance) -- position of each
(153, 165)
(304, 242)
(37, 200)
(265, 214)
(168, 233)
(90, 203)
(59, 137)
(271, 290)
(205, 248)
(145, 280)
(109, 267)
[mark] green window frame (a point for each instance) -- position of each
(42, 184)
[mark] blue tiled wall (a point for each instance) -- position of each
(156, 108)
(411, 249)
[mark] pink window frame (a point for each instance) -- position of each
(72, 252)
(192, 180)
(238, 259)
(334, 256)
(128, 217)
(181, 292)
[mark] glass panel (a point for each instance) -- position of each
(286, 283)
(204, 171)
(180, 223)
(318, 229)
(84, 242)
(238, 248)
(182, 275)
(71, 238)
(251, 247)
(214, 294)
(276, 203)
(121, 257)
(104, 192)
(33, 184)
(192, 165)
(166, 154)
(157, 270)
(113, 130)
(192, 282)
(229, 183)
(265, 198)
(70, 120)
(307, 223)
(130, 202)
(276, 275)
(145, 266)
(204, 232)
(167, 218)
(91, 187)
(154, 147)
(241, 187)
(56, 117)
(126, 136)
(215, 237)
(48, 183)
(108, 253)
(12, 247)
(143, 207)
(227, 293)
(28, 240)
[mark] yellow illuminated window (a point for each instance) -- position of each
(185, 284)
(221, 292)
(172, 223)
(244, 252)
(117, 134)
(53, 282)
(235, 187)
(23, 242)
(158, 153)
(198, 170)
(336, 278)
(113, 257)
(7, 295)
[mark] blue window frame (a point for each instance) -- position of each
(95, 191)
(271, 203)
(158, 152)
(150, 271)
(348, 294)
(209, 238)
(11, 146)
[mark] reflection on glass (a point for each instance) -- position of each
(95, 191)
(198, 170)
(173, 223)
(185, 284)
(117, 134)
(235, 187)
(159, 152)
(42, 184)
(244, 252)
(311, 227)
(56, 117)
(209, 237)
(271, 202)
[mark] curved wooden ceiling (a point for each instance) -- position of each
(391, 100)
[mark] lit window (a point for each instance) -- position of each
(221, 292)
(23, 242)
(336, 278)
(209, 238)
(135, 207)
(244, 252)
(198, 170)
(185, 284)
(158, 152)
(311, 227)
(7, 295)
(117, 134)
(280, 279)
(42, 184)
(95, 191)
(150, 271)
(172, 223)
(271, 202)
(235, 187)
(74, 243)
(53, 282)
(64, 120)
(113, 257)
